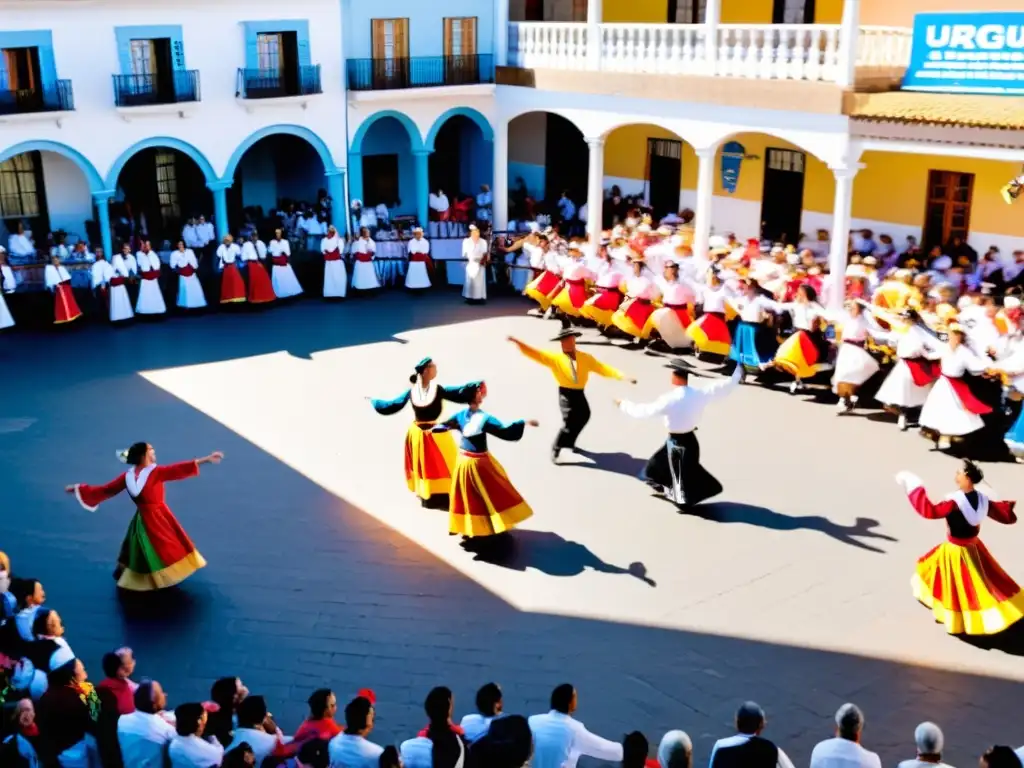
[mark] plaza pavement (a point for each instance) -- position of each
(792, 590)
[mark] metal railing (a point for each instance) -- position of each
(276, 84)
(177, 87)
(419, 72)
(57, 98)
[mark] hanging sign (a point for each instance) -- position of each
(733, 154)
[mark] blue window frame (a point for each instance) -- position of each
(42, 41)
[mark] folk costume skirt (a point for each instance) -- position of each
(232, 287)
(952, 410)
(65, 308)
(601, 307)
(908, 384)
(571, 298)
(631, 318)
(544, 289)
(429, 459)
(966, 588)
(261, 289)
(754, 345)
(156, 552)
(710, 334)
(483, 500)
(802, 355)
(671, 323)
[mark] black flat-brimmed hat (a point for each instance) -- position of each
(678, 365)
(567, 333)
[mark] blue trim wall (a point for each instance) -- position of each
(39, 38)
(300, 131)
(485, 127)
(91, 174)
(415, 141)
(253, 28)
(161, 141)
(125, 35)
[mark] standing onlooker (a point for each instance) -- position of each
(320, 724)
(118, 667)
(928, 738)
(352, 749)
(488, 706)
(144, 734)
(675, 750)
(845, 751)
(559, 739)
(748, 748)
(188, 748)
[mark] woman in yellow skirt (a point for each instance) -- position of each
(575, 275)
(710, 332)
(429, 457)
(483, 501)
(805, 352)
(641, 293)
(959, 579)
(548, 283)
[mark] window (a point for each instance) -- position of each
(22, 67)
(793, 12)
(19, 192)
(143, 57)
(948, 212)
(460, 36)
(167, 186)
(390, 38)
(686, 11)
(786, 160)
(268, 51)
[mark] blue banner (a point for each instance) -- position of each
(733, 155)
(967, 53)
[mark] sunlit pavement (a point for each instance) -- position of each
(792, 590)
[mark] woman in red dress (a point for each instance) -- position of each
(156, 552)
(58, 280)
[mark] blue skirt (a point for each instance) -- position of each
(1015, 437)
(753, 345)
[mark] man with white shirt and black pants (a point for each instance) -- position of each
(845, 751)
(748, 748)
(675, 468)
(559, 740)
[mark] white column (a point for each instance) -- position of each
(594, 11)
(499, 189)
(595, 189)
(849, 35)
(501, 33)
(705, 194)
(712, 18)
(842, 215)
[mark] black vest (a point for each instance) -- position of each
(755, 752)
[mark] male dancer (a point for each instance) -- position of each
(675, 468)
(571, 369)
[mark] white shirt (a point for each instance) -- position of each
(253, 251)
(348, 751)
(262, 743)
(190, 234)
(130, 263)
(184, 258)
(474, 726)
(782, 761)
(682, 406)
(915, 763)
(20, 245)
(439, 203)
(101, 273)
(206, 232)
(328, 244)
(148, 261)
(803, 315)
(280, 248)
(419, 245)
(559, 741)
(228, 253)
(843, 753)
(753, 308)
(55, 275)
(474, 252)
(1020, 754)
(142, 738)
(193, 752)
(9, 283)
(364, 245)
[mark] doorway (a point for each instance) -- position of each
(567, 158)
(782, 199)
(793, 12)
(664, 175)
(948, 213)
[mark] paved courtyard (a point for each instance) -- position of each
(792, 590)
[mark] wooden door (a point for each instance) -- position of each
(948, 211)
(664, 175)
(390, 53)
(460, 61)
(782, 199)
(793, 12)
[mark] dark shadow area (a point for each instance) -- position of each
(619, 463)
(1010, 641)
(760, 517)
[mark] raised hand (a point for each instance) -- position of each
(532, 423)
(69, 489)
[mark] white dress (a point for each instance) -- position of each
(335, 276)
(190, 290)
(674, 297)
(282, 276)
(854, 365)
(151, 300)
(944, 412)
(898, 389)
(364, 274)
(530, 255)
(417, 277)
(8, 285)
(120, 302)
(475, 286)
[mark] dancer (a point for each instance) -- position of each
(571, 370)
(282, 276)
(58, 280)
(675, 469)
(364, 273)
(232, 287)
(576, 274)
(854, 365)
(709, 332)
(100, 273)
(601, 307)
(641, 293)
(417, 276)
(546, 285)
(907, 386)
(673, 317)
(959, 579)
(190, 290)
(952, 410)
(754, 345)
(156, 552)
(483, 502)
(7, 285)
(429, 457)
(120, 301)
(805, 352)
(335, 276)
(150, 300)
(475, 252)
(254, 253)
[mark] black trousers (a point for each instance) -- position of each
(575, 415)
(676, 467)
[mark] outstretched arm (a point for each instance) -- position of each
(537, 355)
(645, 410)
(183, 470)
(512, 431)
(451, 425)
(390, 407)
(91, 496)
(919, 500)
(463, 394)
(603, 369)
(720, 389)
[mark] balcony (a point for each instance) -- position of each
(420, 72)
(806, 52)
(37, 103)
(275, 86)
(156, 94)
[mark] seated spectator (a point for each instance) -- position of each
(389, 758)
(227, 693)
(1000, 757)
(489, 706)
(845, 751)
(352, 748)
(23, 738)
(144, 734)
(323, 705)
(675, 750)
(67, 718)
(748, 748)
(8, 602)
(49, 650)
(118, 667)
(241, 756)
(256, 727)
(559, 739)
(928, 738)
(635, 749)
(313, 754)
(30, 596)
(441, 743)
(508, 743)
(188, 748)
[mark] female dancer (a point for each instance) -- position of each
(364, 272)
(483, 500)
(190, 290)
(805, 352)
(282, 276)
(959, 579)
(641, 293)
(951, 409)
(232, 287)
(548, 283)
(754, 345)
(601, 307)
(58, 280)
(673, 317)
(854, 365)
(156, 552)
(429, 457)
(908, 384)
(254, 253)
(576, 273)
(150, 300)
(335, 276)
(709, 332)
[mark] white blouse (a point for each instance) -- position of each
(474, 252)
(280, 248)
(9, 284)
(56, 275)
(421, 245)
(803, 315)
(329, 244)
(960, 361)
(642, 288)
(752, 309)
(253, 251)
(364, 245)
(101, 273)
(186, 258)
(228, 253)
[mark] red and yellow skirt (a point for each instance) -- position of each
(543, 289)
(483, 500)
(156, 552)
(601, 306)
(631, 318)
(799, 356)
(966, 588)
(261, 290)
(429, 459)
(65, 308)
(571, 298)
(710, 334)
(232, 287)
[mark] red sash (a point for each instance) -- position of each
(334, 255)
(117, 280)
(418, 257)
(923, 372)
(970, 403)
(186, 270)
(364, 257)
(150, 275)
(280, 261)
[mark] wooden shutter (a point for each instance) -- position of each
(464, 30)
(398, 32)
